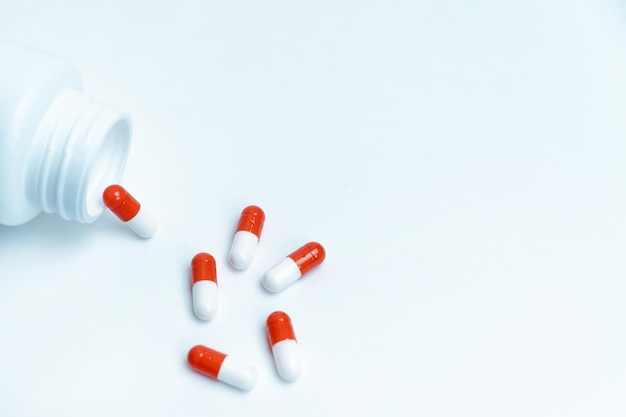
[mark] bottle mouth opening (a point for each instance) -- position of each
(106, 167)
(85, 145)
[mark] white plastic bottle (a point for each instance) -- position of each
(59, 148)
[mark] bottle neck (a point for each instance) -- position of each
(82, 147)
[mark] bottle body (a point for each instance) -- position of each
(59, 148)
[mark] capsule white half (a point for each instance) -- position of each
(144, 224)
(237, 374)
(204, 298)
(287, 359)
(242, 249)
(282, 275)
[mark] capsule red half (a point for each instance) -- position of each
(247, 236)
(284, 346)
(294, 266)
(128, 210)
(120, 202)
(252, 220)
(217, 365)
(279, 327)
(308, 256)
(204, 286)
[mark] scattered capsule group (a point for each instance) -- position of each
(204, 289)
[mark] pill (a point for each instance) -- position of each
(294, 266)
(204, 286)
(222, 367)
(246, 238)
(284, 346)
(128, 210)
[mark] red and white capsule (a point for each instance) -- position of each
(128, 210)
(222, 367)
(246, 238)
(294, 266)
(284, 346)
(204, 286)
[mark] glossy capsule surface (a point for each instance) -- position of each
(284, 346)
(294, 266)
(246, 238)
(216, 365)
(204, 286)
(128, 210)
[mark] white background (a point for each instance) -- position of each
(463, 162)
